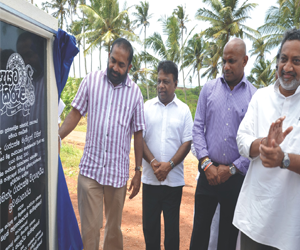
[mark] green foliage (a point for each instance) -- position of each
(69, 93)
(70, 158)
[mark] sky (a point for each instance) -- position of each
(165, 8)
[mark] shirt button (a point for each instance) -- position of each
(106, 151)
(224, 154)
(225, 139)
(106, 134)
(230, 94)
(226, 124)
(228, 108)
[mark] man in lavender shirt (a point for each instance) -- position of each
(114, 105)
(221, 107)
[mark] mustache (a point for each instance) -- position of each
(283, 72)
(115, 72)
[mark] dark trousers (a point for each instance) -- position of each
(206, 200)
(249, 244)
(155, 200)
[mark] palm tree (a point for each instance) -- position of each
(169, 50)
(182, 19)
(106, 23)
(261, 74)
(259, 48)
(142, 20)
(72, 9)
(76, 29)
(279, 19)
(226, 19)
(194, 54)
(60, 10)
(212, 60)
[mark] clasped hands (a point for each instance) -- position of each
(270, 151)
(161, 169)
(217, 175)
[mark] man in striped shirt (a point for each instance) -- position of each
(114, 105)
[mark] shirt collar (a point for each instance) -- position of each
(127, 81)
(175, 100)
(242, 82)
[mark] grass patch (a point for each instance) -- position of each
(81, 128)
(70, 158)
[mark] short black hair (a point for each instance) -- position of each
(290, 35)
(126, 45)
(168, 67)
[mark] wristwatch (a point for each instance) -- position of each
(139, 168)
(172, 164)
(232, 169)
(285, 161)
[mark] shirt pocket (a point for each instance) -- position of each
(123, 114)
(174, 129)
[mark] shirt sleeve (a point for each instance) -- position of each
(188, 126)
(80, 101)
(199, 125)
(246, 133)
(138, 116)
(242, 164)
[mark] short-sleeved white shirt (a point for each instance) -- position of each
(168, 127)
(268, 207)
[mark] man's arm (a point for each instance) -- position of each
(165, 167)
(138, 151)
(70, 123)
(148, 156)
(199, 139)
(272, 157)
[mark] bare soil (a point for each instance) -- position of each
(132, 214)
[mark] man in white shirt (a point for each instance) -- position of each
(167, 140)
(267, 212)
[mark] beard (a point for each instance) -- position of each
(289, 86)
(116, 77)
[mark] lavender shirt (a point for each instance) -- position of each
(114, 113)
(218, 116)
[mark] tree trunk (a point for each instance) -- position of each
(147, 86)
(83, 44)
(61, 20)
(198, 73)
(91, 59)
(182, 63)
(79, 62)
(100, 56)
(73, 59)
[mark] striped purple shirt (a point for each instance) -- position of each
(114, 113)
(217, 119)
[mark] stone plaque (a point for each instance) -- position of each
(23, 139)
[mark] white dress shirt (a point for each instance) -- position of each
(167, 128)
(268, 208)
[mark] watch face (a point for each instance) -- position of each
(286, 162)
(232, 170)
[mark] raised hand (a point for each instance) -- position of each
(276, 136)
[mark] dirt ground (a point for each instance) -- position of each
(132, 214)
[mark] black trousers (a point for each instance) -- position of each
(206, 200)
(249, 244)
(157, 199)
